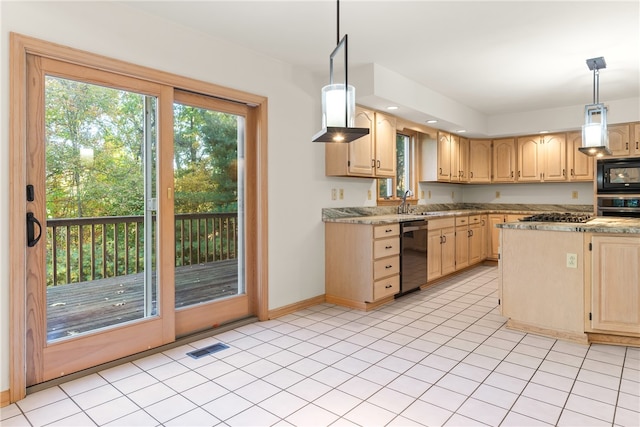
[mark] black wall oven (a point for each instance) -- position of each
(618, 187)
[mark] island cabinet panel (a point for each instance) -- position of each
(362, 264)
(615, 289)
(539, 291)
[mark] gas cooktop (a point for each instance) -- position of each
(559, 217)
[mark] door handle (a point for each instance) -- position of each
(31, 239)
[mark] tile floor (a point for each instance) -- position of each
(437, 357)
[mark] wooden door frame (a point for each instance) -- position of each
(20, 46)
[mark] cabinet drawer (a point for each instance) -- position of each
(386, 287)
(386, 247)
(435, 224)
(462, 220)
(474, 219)
(386, 267)
(386, 230)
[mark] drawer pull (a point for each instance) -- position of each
(388, 286)
(388, 230)
(388, 266)
(388, 247)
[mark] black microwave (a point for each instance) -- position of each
(618, 175)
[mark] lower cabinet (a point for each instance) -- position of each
(362, 263)
(493, 241)
(615, 294)
(441, 248)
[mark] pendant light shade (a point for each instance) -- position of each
(595, 137)
(339, 102)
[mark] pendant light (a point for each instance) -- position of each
(595, 138)
(339, 101)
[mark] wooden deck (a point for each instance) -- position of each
(81, 307)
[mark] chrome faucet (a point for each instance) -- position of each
(403, 208)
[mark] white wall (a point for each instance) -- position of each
(296, 166)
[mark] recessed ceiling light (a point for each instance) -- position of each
(432, 121)
(392, 107)
(544, 131)
(462, 131)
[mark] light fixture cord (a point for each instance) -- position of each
(596, 86)
(338, 23)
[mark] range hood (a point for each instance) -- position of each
(340, 134)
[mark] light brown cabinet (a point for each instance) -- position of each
(615, 294)
(624, 139)
(580, 165)
(385, 145)
(542, 158)
(362, 263)
(479, 161)
(504, 160)
(373, 155)
(453, 158)
(441, 248)
(469, 241)
(493, 241)
(462, 242)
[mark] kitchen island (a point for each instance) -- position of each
(575, 281)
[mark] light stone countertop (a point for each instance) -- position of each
(596, 225)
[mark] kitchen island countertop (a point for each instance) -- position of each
(596, 225)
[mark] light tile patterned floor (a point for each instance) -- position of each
(437, 357)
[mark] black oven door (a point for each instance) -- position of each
(622, 206)
(618, 176)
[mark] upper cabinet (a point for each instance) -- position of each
(371, 156)
(504, 160)
(479, 161)
(624, 139)
(542, 158)
(580, 165)
(453, 158)
(385, 145)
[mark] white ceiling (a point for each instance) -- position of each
(495, 57)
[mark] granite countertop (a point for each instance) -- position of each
(388, 215)
(595, 225)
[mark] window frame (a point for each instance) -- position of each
(413, 173)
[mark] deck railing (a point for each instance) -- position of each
(83, 249)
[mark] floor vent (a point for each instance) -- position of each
(197, 354)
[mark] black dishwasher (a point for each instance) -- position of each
(413, 255)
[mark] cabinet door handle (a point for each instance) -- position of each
(441, 241)
(637, 145)
(373, 163)
(378, 164)
(440, 173)
(388, 287)
(444, 239)
(573, 173)
(563, 172)
(471, 174)
(627, 145)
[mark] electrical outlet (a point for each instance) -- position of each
(422, 194)
(334, 194)
(341, 193)
(574, 194)
(429, 194)
(368, 194)
(497, 194)
(453, 195)
(572, 261)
